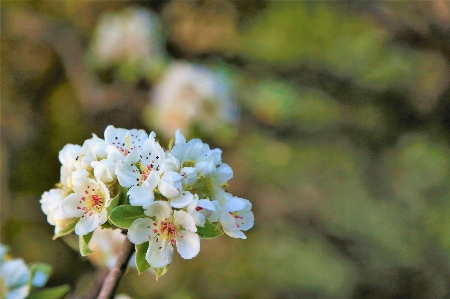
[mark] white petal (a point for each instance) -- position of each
(141, 195)
(235, 234)
(179, 138)
(126, 174)
(206, 204)
(141, 230)
(159, 209)
(247, 220)
(71, 206)
(104, 170)
(234, 204)
(224, 173)
(205, 168)
(185, 220)
(68, 154)
(189, 175)
(182, 200)
(19, 293)
(79, 174)
(170, 184)
(159, 253)
(87, 224)
(111, 133)
(14, 272)
(215, 215)
(188, 246)
(228, 222)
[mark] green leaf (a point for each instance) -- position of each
(120, 199)
(108, 224)
(40, 273)
(83, 243)
(51, 293)
(161, 271)
(141, 263)
(209, 231)
(124, 216)
(67, 229)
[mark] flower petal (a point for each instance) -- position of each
(14, 273)
(188, 246)
(170, 184)
(234, 204)
(182, 200)
(159, 253)
(87, 224)
(141, 195)
(159, 209)
(71, 206)
(185, 220)
(141, 231)
(235, 234)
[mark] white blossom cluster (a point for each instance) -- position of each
(173, 196)
(18, 280)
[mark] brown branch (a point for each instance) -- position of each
(115, 274)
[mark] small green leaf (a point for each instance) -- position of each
(83, 243)
(161, 271)
(108, 224)
(40, 273)
(124, 216)
(141, 263)
(67, 229)
(120, 199)
(209, 231)
(50, 293)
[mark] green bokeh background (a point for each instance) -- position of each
(342, 144)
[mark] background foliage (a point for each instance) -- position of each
(342, 141)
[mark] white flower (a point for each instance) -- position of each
(76, 160)
(51, 206)
(171, 187)
(140, 172)
(234, 214)
(169, 228)
(121, 142)
(131, 36)
(89, 203)
(14, 277)
(191, 94)
(200, 210)
(104, 170)
(106, 244)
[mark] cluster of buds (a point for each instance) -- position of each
(164, 198)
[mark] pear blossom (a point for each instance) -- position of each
(140, 172)
(200, 210)
(169, 228)
(121, 142)
(191, 94)
(128, 37)
(14, 277)
(171, 187)
(88, 203)
(234, 214)
(51, 206)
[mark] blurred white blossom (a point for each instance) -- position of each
(192, 95)
(129, 39)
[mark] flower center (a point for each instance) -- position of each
(91, 203)
(166, 230)
(144, 171)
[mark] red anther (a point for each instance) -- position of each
(198, 208)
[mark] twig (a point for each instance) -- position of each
(115, 274)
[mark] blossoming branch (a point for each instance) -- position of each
(164, 198)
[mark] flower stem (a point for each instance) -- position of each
(115, 274)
